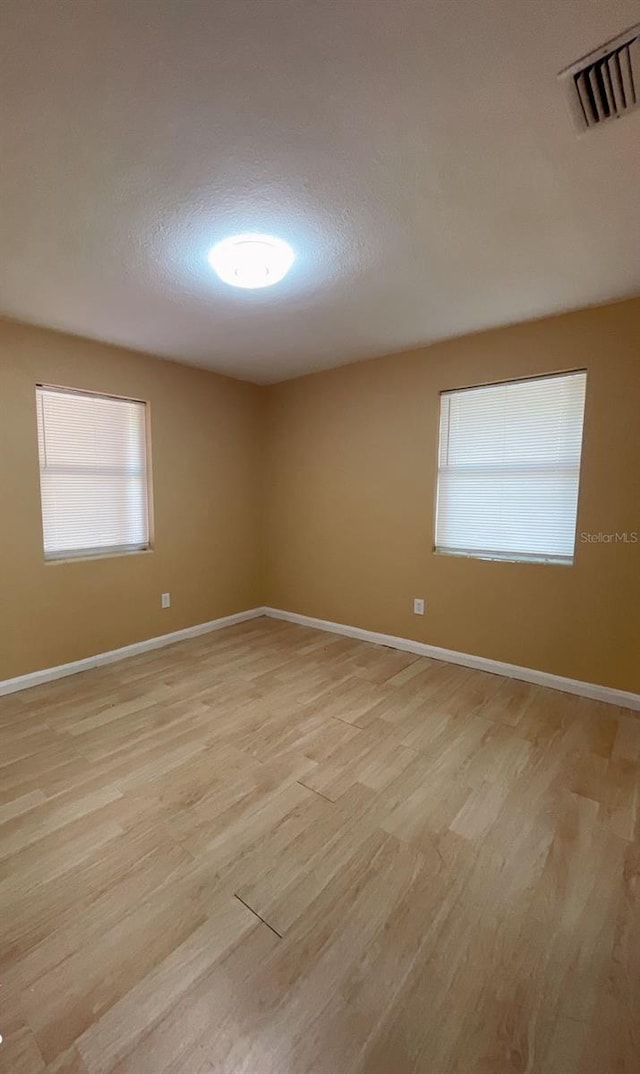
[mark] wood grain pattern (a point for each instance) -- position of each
(276, 850)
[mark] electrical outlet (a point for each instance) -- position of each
(418, 606)
(165, 600)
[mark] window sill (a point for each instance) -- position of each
(91, 558)
(487, 557)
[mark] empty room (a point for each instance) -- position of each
(319, 537)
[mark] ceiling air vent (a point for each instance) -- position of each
(605, 84)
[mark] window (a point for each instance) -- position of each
(93, 473)
(509, 469)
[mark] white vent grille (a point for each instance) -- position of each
(606, 84)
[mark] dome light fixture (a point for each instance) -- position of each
(251, 261)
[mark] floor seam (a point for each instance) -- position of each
(256, 914)
(314, 791)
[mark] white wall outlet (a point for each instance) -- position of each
(166, 600)
(418, 606)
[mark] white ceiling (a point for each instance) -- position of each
(417, 154)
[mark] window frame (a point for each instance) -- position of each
(102, 551)
(498, 556)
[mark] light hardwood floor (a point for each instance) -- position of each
(276, 851)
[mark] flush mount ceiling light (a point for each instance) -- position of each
(251, 261)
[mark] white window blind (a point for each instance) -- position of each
(93, 473)
(509, 469)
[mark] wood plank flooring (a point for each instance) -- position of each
(276, 851)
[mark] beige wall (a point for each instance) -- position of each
(350, 496)
(205, 455)
(317, 496)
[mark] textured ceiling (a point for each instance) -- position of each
(417, 154)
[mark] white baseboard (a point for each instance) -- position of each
(35, 678)
(623, 698)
